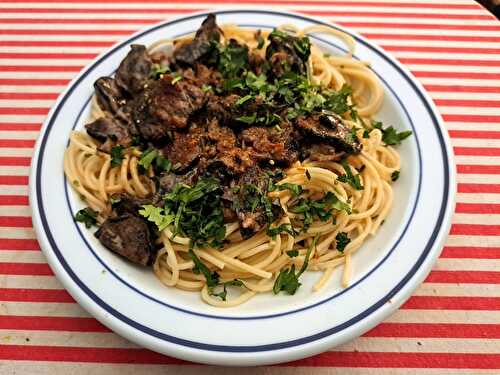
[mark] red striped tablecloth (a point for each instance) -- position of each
(452, 323)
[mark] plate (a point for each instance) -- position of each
(268, 329)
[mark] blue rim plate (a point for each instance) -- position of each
(268, 329)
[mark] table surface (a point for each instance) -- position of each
(452, 322)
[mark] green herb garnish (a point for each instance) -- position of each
(395, 175)
(321, 209)
(223, 294)
(288, 280)
(294, 188)
(349, 178)
(176, 79)
(117, 156)
(390, 136)
(283, 228)
(212, 278)
(198, 212)
(342, 241)
(163, 164)
(147, 157)
(87, 216)
(157, 215)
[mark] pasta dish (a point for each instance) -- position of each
(234, 160)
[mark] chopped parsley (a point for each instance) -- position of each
(395, 175)
(349, 178)
(206, 88)
(153, 157)
(117, 156)
(342, 241)
(288, 280)
(282, 228)
(212, 278)
(198, 212)
(147, 157)
(294, 188)
(247, 119)
(260, 41)
(292, 253)
(233, 59)
(244, 99)
(86, 216)
(163, 164)
(176, 79)
(321, 209)
(157, 215)
(158, 70)
(390, 136)
(223, 294)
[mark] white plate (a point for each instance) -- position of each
(267, 329)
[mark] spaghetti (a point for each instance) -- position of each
(257, 262)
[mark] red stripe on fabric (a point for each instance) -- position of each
(17, 143)
(14, 200)
(440, 49)
(441, 330)
(458, 88)
(464, 277)
(66, 32)
(480, 134)
(40, 68)
(83, 354)
(319, 12)
(54, 43)
(400, 360)
(479, 169)
(466, 75)
(23, 111)
(455, 38)
(476, 151)
(472, 118)
(15, 160)
(13, 180)
(78, 21)
(32, 269)
(477, 208)
(35, 295)
(327, 359)
(458, 62)
(420, 26)
(465, 252)
(452, 303)
(44, 55)
(467, 103)
(17, 126)
(15, 221)
(33, 82)
(46, 323)
(475, 229)
(281, 2)
(415, 302)
(390, 47)
(19, 244)
(28, 95)
(478, 188)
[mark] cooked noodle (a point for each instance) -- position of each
(257, 260)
